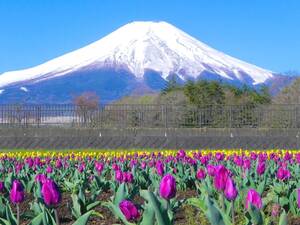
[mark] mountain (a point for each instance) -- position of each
(140, 56)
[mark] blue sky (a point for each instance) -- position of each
(262, 32)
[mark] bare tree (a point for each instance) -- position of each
(86, 105)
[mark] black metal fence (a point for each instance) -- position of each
(151, 116)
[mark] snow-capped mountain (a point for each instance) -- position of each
(139, 53)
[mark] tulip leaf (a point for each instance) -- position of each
(38, 220)
(121, 194)
(160, 214)
(255, 214)
(198, 203)
(148, 215)
(92, 205)
(10, 216)
(214, 214)
(83, 220)
(283, 220)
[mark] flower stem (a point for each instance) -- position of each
(56, 217)
(232, 212)
(18, 214)
(222, 202)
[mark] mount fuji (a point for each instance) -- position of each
(138, 56)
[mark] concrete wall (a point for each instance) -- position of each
(188, 138)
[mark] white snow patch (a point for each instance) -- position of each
(24, 89)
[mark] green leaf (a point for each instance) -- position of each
(93, 205)
(148, 215)
(283, 220)
(121, 194)
(83, 220)
(10, 216)
(160, 214)
(38, 220)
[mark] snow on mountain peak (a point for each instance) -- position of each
(145, 45)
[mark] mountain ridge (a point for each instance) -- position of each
(146, 52)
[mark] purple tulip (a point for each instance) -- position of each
(211, 170)
(200, 174)
(17, 194)
(230, 190)
(127, 177)
(49, 169)
(261, 167)
(220, 178)
(167, 187)
(159, 168)
(119, 176)
(50, 193)
(129, 210)
(41, 178)
(283, 173)
(181, 153)
(253, 198)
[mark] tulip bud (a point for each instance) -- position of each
(230, 190)
(41, 178)
(17, 194)
(160, 168)
(50, 193)
(128, 177)
(129, 210)
(261, 167)
(167, 187)
(49, 169)
(220, 177)
(253, 198)
(200, 174)
(119, 176)
(211, 170)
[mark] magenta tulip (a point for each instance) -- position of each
(261, 167)
(129, 210)
(119, 176)
(41, 178)
(167, 187)
(159, 168)
(230, 190)
(127, 177)
(49, 169)
(17, 194)
(50, 193)
(220, 178)
(283, 173)
(253, 198)
(211, 170)
(200, 174)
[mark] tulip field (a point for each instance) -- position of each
(149, 187)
